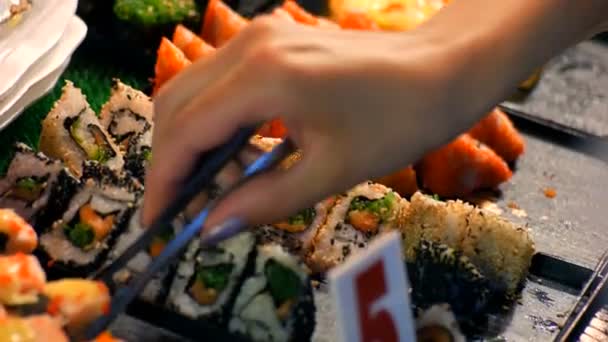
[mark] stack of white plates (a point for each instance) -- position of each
(34, 52)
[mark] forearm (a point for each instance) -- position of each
(492, 46)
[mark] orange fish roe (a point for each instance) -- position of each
(550, 192)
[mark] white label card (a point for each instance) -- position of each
(371, 296)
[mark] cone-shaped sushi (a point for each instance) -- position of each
(191, 44)
(170, 61)
(299, 14)
(501, 250)
(71, 132)
(16, 235)
(31, 180)
(358, 216)
(39, 328)
(207, 280)
(99, 210)
(461, 167)
(127, 113)
(158, 285)
(403, 181)
(21, 279)
(221, 23)
(275, 302)
(497, 131)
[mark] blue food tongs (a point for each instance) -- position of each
(210, 165)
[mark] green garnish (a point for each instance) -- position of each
(100, 154)
(166, 234)
(156, 12)
(304, 217)
(27, 183)
(381, 207)
(147, 154)
(3, 241)
(81, 235)
(73, 132)
(214, 277)
(284, 284)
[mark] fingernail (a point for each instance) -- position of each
(223, 231)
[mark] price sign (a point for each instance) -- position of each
(370, 292)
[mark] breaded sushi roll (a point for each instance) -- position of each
(501, 250)
(127, 113)
(358, 216)
(71, 132)
(275, 302)
(99, 211)
(21, 279)
(77, 302)
(139, 155)
(31, 180)
(39, 328)
(158, 285)
(297, 232)
(16, 235)
(207, 280)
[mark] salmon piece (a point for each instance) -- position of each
(221, 23)
(357, 21)
(364, 220)
(461, 167)
(273, 129)
(16, 235)
(191, 44)
(101, 225)
(403, 181)
(169, 62)
(299, 14)
(497, 131)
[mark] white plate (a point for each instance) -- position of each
(34, 93)
(39, 31)
(52, 60)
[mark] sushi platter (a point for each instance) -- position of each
(506, 258)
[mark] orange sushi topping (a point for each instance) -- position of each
(299, 14)
(169, 62)
(221, 23)
(192, 45)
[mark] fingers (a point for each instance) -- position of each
(275, 195)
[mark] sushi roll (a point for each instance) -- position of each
(99, 210)
(207, 280)
(77, 302)
(501, 250)
(275, 302)
(358, 216)
(297, 232)
(21, 279)
(16, 235)
(438, 324)
(39, 328)
(157, 286)
(31, 180)
(127, 113)
(71, 132)
(139, 155)
(497, 131)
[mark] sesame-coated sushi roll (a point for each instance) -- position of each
(99, 211)
(358, 216)
(275, 302)
(21, 279)
(139, 155)
(501, 250)
(16, 235)
(158, 285)
(206, 280)
(71, 132)
(127, 113)
(35, 186)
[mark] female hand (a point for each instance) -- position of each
(359, 104)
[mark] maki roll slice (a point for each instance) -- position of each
(71, 132)
(35, 186)
(275, 302)
(157, 287)
(16, 235)
(358, 216)
(297, 232)
(127, 113)
(99, 210)
(207, 280)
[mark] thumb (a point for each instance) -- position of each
(275, 195)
